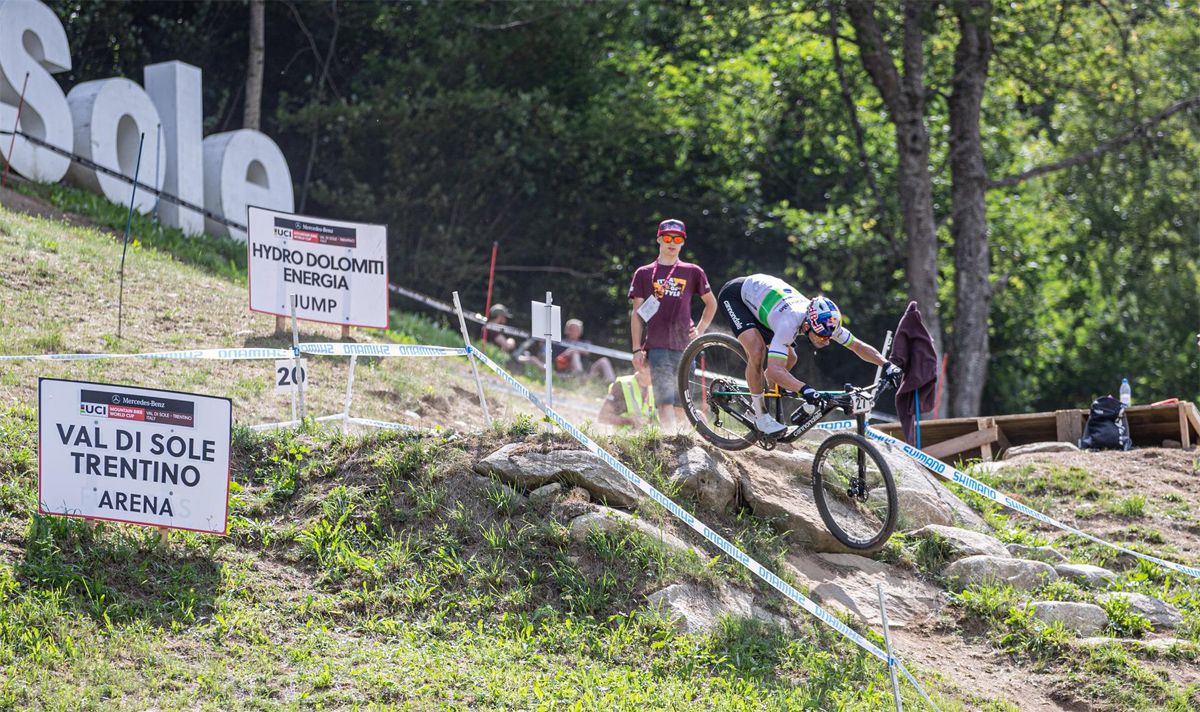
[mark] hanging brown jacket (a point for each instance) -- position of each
(912, 350)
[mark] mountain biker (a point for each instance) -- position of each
(768, 315)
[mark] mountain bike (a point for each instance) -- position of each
(852, 483)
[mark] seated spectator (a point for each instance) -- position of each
(573, 360)
(498, 314)
(630, 400)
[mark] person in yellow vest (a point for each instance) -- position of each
(630, 399)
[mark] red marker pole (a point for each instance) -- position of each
(491, 279)
(12, 144)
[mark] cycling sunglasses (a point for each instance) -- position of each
(673, 239)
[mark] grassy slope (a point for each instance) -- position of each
(360, 570)
(377, 570)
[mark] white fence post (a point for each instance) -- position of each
(887, 641)
(349, 393)
(298, 381)
(549, 350)
(462, 323)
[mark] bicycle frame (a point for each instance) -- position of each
(855, 402)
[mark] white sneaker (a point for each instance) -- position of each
(768, 425)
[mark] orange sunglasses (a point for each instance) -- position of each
(673, 239)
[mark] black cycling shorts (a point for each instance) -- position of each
(737, 314)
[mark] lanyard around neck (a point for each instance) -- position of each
(654, 275)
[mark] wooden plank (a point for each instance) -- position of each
(1194, 418)
(1002, 442)
(985, 449)
(970, 441)
(1185, 428)
(1069, 425)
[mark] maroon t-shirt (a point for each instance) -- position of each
(668, 329)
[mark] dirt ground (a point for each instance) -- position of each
(1168, 479)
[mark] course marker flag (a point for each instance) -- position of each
(957, 476)
(134, 455)
(713, 537)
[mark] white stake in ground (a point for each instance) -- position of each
(297, 382)
(462, 324)
(349, 393)
(887, 637)
(549, 350)
(547, 320)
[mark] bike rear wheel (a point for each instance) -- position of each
(712, 385)
(854, 491)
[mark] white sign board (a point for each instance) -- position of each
(337, 270)
(288, 376)
(539, 321)
(134, 455)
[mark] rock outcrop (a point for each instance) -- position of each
(700, 475)
(612, 521)
(695, 609)
(1082, 618)
(962, 542)
(1021, 574)
(528, 469)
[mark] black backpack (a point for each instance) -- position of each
(1107, 427)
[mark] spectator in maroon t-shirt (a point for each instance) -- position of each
(662, 293)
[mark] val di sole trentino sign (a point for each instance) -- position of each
(133, 455)
(336, 270)
(101, 120)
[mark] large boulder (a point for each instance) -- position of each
(700, 475)
(1083, 618)
(528, 468)
(612, 521)
(695, 609)
(1021, 574)
(1160, 613)
(962, 542)
(1085, 574)
(792, 463)
(909, 474)
(918, 508)
(780, 494)
(849, 581)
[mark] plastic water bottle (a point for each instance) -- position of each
(1126, 393)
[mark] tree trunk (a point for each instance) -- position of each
(916, 204)
(904, 96)
(252, 114)
(972, 264)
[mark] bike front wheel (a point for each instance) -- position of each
(712, 385)
(854, 491)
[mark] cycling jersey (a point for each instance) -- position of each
(781, 310)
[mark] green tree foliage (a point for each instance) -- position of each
(564, 131)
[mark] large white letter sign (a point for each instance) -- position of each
(32, 40)
(243, 168)
(175, 88)
(135, 455)
(110, 117)
(337, 270)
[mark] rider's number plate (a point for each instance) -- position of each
(862, 404)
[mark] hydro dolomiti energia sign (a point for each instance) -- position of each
(102, 120)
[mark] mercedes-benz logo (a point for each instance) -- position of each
(116, 399)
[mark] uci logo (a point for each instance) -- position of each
(93, 409)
